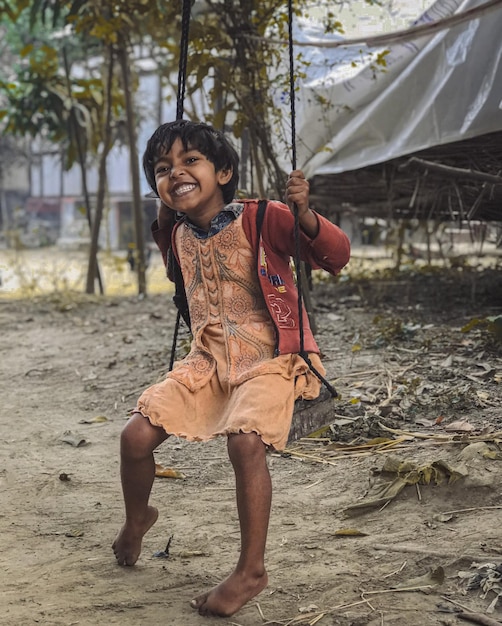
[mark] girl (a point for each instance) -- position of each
(243, 373)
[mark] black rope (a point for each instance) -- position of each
(297, 259)
(175, 341)
(182, 71)
(292, 99)
(180, 101)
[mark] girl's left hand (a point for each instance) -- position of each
(297, 192)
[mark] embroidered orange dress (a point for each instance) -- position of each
(230, 381)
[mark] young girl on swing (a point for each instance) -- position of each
(243, 373)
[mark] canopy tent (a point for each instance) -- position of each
(436, 89)
(438, 97)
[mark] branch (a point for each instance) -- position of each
(477, 618)
(401, 35)
(454, 172)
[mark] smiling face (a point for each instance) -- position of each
(189, 183)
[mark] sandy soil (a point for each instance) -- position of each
(70, 370)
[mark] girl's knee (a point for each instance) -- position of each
(246, 448)
(139, 438)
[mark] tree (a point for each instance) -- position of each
(11, 154)
(44, 101)
(227, 44)
(117, 27)
(230, 63)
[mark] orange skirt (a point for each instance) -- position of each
(262, 404)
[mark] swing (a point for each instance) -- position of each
(180, 296)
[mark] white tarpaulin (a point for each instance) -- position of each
(437, 89)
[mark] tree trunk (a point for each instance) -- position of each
(133, 152)
(100, 198)
(4, 213)
(81, 161)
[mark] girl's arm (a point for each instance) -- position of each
(328, 250)
(322, 243)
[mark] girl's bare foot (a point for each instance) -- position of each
(127, 545)
(230, 595)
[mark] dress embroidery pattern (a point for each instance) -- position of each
(223, 291)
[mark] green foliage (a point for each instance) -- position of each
(380, 58)
(12, 10)
(391, 330)
(492, 325)
(39, 97)
(41, 103)
(230, 61)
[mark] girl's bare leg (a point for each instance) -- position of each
(254, 495)
(137, 471)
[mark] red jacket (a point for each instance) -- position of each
(330, 250)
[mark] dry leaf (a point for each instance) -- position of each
(99, 419)
(308, 609)
(75, 533)
(422, 421)
(188, 554)
(74, 439)
(460, 426)
(378, 440)
(479, 449)
(349, 532)
(167, 472)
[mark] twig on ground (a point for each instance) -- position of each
(392, 443)
(390, 384)
(470, 616)
(462, 606)
(308, 457)
(317, 482)
(399, 590)
(346, 451)
(385, 505)
(367, 601)
(478, 618)
(449, 437)
(418, 550)
(317, 614)
(260, 611)
(398, 571)
(472, 509)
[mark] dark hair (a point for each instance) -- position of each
(194, 135)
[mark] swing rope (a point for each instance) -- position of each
(180, 101)
(182, 70)
(182, 74)
(297, 259)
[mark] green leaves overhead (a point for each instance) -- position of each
(231, 64)
(38, 103)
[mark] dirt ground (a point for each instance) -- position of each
(414, 388)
